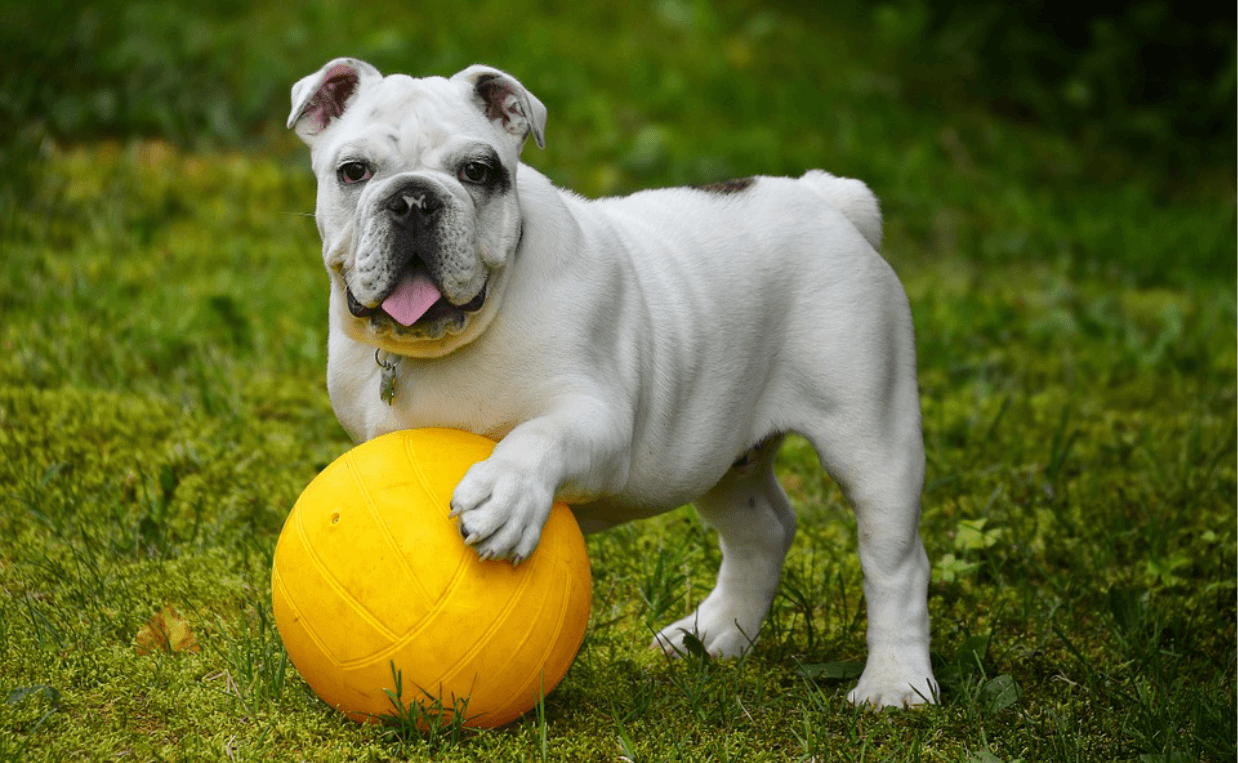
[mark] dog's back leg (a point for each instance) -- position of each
(873, 446)
(755, 527)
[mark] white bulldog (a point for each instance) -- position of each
(629, 354)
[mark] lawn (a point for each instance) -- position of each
(163, 402)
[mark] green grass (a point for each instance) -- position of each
(162, 356)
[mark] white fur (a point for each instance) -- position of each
(642, 352)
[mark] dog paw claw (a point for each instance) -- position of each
(501, 510)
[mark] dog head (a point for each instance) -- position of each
(417, 205)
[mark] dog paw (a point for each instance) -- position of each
(501, 510)
(722, 630)
(889, 681)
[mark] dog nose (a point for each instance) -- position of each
(413, 202)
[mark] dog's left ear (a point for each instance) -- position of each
(507, 102)
(320, 99)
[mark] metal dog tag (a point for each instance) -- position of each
(386, 387)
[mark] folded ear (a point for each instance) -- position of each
(506, 101)
(320, 98)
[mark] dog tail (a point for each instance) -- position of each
(853, 199)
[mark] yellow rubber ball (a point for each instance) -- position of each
(371, 576)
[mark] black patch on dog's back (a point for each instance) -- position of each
(738, 185)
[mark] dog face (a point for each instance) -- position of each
(417, 204)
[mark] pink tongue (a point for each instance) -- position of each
(412, 297)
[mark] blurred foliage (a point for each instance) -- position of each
(114, 68)
(1101, 138)
(1155, 75)
(1152, 75)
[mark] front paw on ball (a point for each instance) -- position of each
(501, 510)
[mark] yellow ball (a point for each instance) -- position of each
(370, 572)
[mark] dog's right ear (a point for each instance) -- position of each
(320, 98)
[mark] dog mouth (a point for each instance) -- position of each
(415, 301)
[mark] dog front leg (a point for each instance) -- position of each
(503, 502)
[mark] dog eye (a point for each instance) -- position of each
(476, 173)
(354, 172)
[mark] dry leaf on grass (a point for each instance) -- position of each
(166, 632)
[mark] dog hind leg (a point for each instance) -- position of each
(878, 460)
(755, 527)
